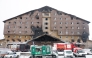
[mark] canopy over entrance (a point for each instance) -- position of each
(45, 39)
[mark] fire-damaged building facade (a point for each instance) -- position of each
(45, 26)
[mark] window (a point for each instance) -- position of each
(9, 22)
(46, 27)
(77, 22)
(46, 23)
(20, 27)
(20, 22)
(60, 32)
(54, 23)
(66, 22)
(25, 26)
(66, 27)
(60, 36)
(19, 31)
(72, 23)
(46, 18)
(60, 18)
(8, 36)
(78, 28)
(8, 31)
(25, 31)
(83, 23)
(25, 40)
(14, 22)
(54, 27)
(25, 36)
(31, 22)
(66, 36)
(8, 27)
(14, 26)
(72, 27)
(60, 27)
(78, 32)
(55, 14)
(37, 26)
(26, 22)
(26, 17)
(14, 31)
(19, 36)
(71, 18)
(83, 27)
(60, 22)
(54, 18)
(72, 32)
(14, 36)
(66, 32)
(66, 18)
(46, 32)
(32, 18)
(46, 14)
(38, 22)
(20, 17)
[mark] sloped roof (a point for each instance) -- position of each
(45, 37)
(47, 9)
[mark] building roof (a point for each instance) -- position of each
(47, 9)
(45, 37)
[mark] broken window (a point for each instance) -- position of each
(8, 31)
(77, 22)
(46, 23)
(38, 22)
(9, 22)
(46, 27)
(37, 26)
(20, 17)
(46, 18)
(8, 36)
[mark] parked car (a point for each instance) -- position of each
(11, 55)
(80, 53)
(68, 53)
(3, 53)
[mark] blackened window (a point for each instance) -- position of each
(9, 22)
(77, 22)
(8, 36)
(37, 26)
(46, 32)
(20, 27)
(60, 27)
(46, 18)
(38, 22)
(26, 27)
(14, 22)
(8, 31)
(46, 27)
(46, 23)
(20, 17)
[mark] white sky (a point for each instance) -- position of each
(11, 8)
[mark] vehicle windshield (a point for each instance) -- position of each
(11, 53)
(60, 54)
(69, 52)
(80, 51)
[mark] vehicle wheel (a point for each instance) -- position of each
(10, 56)
(17, 56)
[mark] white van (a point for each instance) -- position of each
(68, 53)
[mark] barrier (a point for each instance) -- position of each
(88, 56)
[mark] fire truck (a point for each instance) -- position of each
(65, 46)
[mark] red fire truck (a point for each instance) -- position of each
(65, 46)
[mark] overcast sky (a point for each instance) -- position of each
(11, 8)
